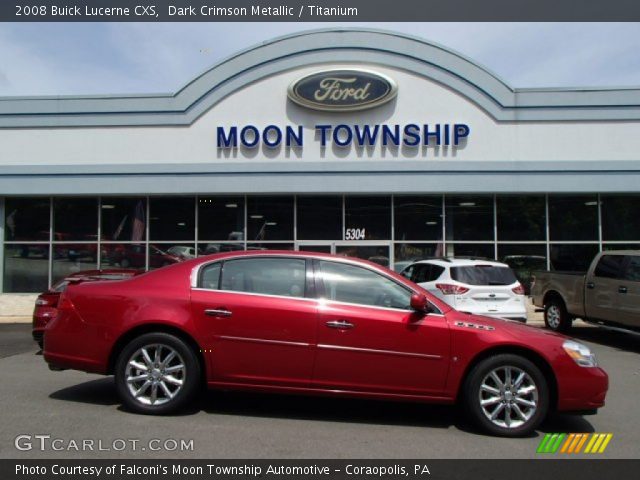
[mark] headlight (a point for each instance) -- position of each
(580, 353)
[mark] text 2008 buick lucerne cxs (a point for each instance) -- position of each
(312, 323)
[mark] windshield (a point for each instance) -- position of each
(483, 275)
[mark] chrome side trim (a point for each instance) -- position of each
(262, 340)
(474, 325)
(384, 352)
(307, 299)
(214, 312)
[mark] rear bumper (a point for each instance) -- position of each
(73, 344)
(38, 336)
(517, 316)
(515, 310)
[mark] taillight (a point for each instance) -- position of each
(519, 290)
(47, 301)
(449, 289)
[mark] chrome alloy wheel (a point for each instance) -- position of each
(155, 374)
(508, 397)
(553, 316)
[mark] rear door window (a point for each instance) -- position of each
(610, 266)
(632, 272)
(434, 273)
(421, 273)
(483, 275)
(210, 277)
(268, 276)
(408, 272)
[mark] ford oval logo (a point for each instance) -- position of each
(342, 90)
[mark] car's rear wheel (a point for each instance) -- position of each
(556, 317)
(506, 395)
(157, 373)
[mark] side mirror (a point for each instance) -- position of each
(419, 303)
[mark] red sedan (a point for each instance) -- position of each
(312, 323)
(46, 307)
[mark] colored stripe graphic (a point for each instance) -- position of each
(551, 442)
(598, 443)
(573, 443)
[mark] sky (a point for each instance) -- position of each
(126, 58)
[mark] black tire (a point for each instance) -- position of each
(556, 317)
(473, 393)
(189, 376)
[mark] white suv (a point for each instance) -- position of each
(480, 287)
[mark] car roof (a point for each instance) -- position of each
(460, 262)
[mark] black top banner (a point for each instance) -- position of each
(319, 10)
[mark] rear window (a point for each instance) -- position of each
(483, 275)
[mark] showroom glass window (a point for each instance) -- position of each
(367, 218)
(123, 255)
(26, 268)
(124, 219)
(221, 218)
(469, 218)
(418, 218)
(524, 259)
(319, 218)
(172, 218)
(164, 254)
(268, 276)
(75, 219)
(572, 257)
(269, 218)
(27, 219)
(620, 217)
(26, 265)
(407, 253)
(521, 217)
(472, 250)
(573, 217)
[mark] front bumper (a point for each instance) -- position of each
(585, 389)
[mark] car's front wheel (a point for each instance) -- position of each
(157, 373)
(506, 395)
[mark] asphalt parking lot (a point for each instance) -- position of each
(74, 406)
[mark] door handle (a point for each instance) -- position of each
(340, 324)
(218, 312)
(622, 289)
(591, 285)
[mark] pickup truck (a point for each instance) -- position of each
(607, 294)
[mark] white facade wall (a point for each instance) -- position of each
(264, 102)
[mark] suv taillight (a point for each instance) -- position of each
(519, 290)
(449, 289)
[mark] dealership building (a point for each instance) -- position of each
(357, 142)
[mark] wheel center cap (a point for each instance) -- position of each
(155, 374)
(508, 396)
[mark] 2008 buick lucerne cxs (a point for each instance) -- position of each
(312, 323)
